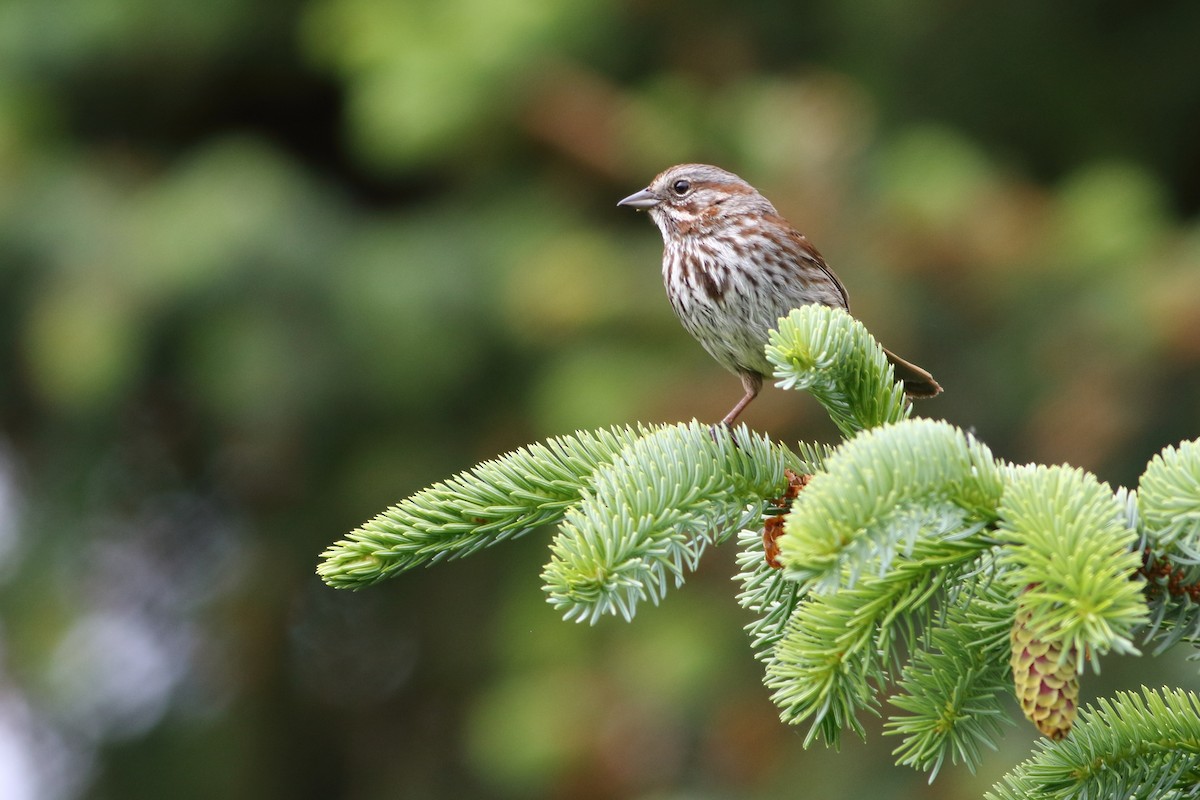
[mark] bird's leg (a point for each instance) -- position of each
(752, 383)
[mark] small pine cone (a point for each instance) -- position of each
(1048, 690)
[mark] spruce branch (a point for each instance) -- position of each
(766, 591)
(833, 357)
(499, 499)
(1169, 500)
(879, 492)
(1069, 552)
(650, 513)
(1135, 747)
(1168, 508)
(954, 687)
(874, 539)
(910, 559)
(1173, 598)
(838, 645)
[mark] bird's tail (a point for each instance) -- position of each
(917, 382)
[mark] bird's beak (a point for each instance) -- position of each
(640, 200)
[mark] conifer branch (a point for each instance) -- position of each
(1169, 500)
(1173, 599)
(649, 515)
(839, 644)
(1168, 512)
(766, 591)
(955, 686)
(909, 541)
(499, 499)
(833, 357)
(1070, 555)
(879, 492)
(1135, 747)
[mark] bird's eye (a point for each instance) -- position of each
(681, 187)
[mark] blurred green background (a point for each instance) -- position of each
(267, 267)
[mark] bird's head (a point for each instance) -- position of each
(692, 199)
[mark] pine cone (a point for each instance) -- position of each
(1048, 690)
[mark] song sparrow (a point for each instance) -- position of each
(733, 266)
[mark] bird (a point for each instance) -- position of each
(732, 266)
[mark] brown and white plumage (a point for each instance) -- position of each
(733, 266)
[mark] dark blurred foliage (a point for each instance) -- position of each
(268, 267)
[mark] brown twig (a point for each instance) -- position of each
(773, 525)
